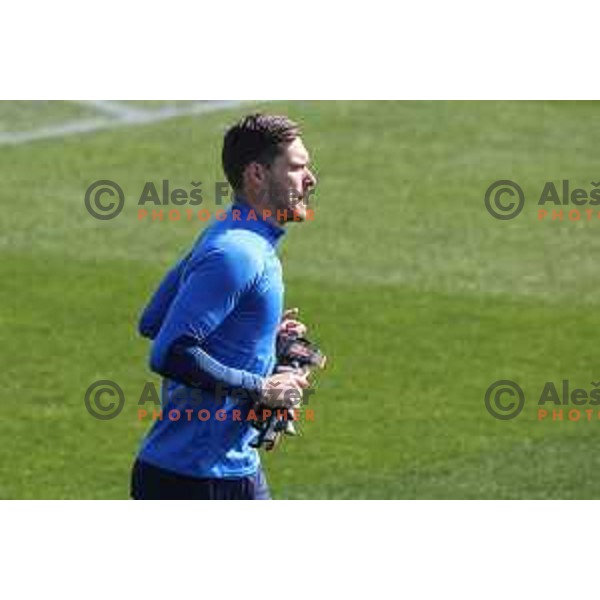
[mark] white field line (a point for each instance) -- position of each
(124, 117)
(120, 110)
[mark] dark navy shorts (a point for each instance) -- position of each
(152, 483)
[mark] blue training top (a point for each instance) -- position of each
(214, 320)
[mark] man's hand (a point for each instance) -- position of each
(284, 390)
(290, 325)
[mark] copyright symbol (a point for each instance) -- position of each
(99, 408)
(109, 209)
(499, 209)
(504, 409)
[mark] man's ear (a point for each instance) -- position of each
(256, 173)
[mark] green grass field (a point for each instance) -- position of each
(419, 297)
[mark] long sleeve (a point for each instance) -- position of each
(210, 288)
(156, 310)
(188, 363)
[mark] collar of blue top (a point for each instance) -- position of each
(267, 227)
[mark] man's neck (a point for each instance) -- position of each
(259, 207)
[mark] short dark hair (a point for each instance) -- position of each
(255, 138)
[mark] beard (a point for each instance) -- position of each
(284, 198)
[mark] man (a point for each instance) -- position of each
(214, 321)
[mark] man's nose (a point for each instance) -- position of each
(311, 179)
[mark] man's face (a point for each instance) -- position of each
(290, 182)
